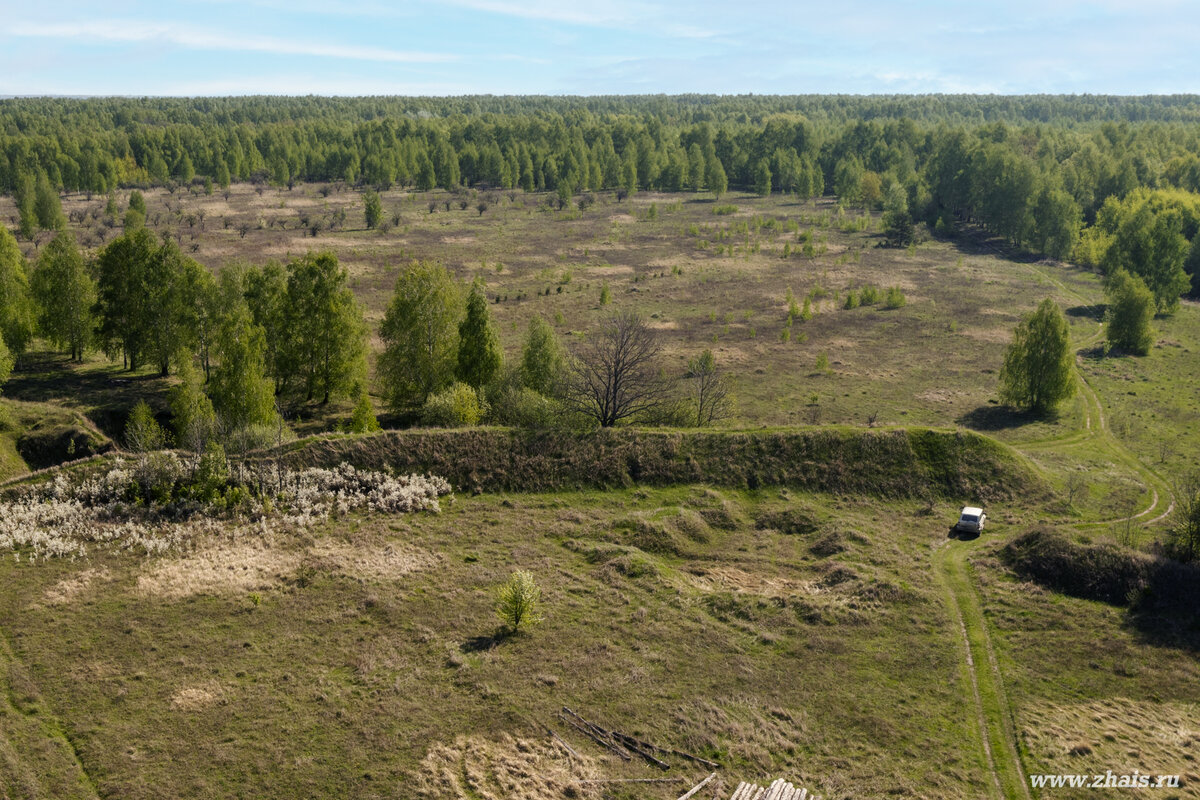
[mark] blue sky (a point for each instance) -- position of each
(453, 47)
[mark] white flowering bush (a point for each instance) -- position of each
(159, 503)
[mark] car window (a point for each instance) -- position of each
(970, 518)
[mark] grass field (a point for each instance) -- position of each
(704, 280)
(840, 641)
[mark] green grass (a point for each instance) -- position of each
(682, 643)
(831, 654)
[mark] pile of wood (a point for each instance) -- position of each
(778, 790)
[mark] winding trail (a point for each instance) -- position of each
(993, 713)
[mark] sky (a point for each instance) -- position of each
(457, 47)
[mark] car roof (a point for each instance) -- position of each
(972, 510)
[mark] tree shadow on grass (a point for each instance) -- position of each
(1000, 418)
(1095, 312)
(479, 644)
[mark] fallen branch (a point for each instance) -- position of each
(698, 786)
(676, 779)
(598, 739)
(564, 744)
(628, 742)
(671, 752)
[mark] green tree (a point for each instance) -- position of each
(762, 177)
(518, 601)
(709, 390)
(718, 182)
(265, 290)
(1183, 540)
(420, 335)
(122, 288)
(66, 295)
(137, 202)
(192, 412)
(18, 315)
(26, 197)
(372, 208)
(847, 180)
(363, 419)
(696, 165)
(6, 362)
(543, 360)
(1057, 219)
(170, 305)
(1152, 246)
(1130, 310)
(479, 355)
(47, 206)
(1038, 371)
(142, 431)
(898, 228)
(629, 175)
(133, 219)
(241, 392)
(325, 333)
(1192, 266)
(456, 406)
(185, 170)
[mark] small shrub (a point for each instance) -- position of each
(363, 419)
(895, 298)
(455, 407)
(851, 300)
(605, 295)
(869, 295)
(822, 362)
(212, 473)
(142, 431)
(724, 210)
(518, 601)
(257, 437)
(523, 407)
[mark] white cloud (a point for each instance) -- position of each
(596, 13)
(197, 39)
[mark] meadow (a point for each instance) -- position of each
(840, 640)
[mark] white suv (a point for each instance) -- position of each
(970, 520)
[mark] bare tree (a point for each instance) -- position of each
(615, 374)
(710, 392)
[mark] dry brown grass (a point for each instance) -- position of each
(733, 579)
(507, 768)
(219, 569)
(372, 562)
(1115, 734)
(72, 588)
(195, 697)
(233, 568)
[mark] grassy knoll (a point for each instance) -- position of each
(38, 435)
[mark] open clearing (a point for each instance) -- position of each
(864, 656)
